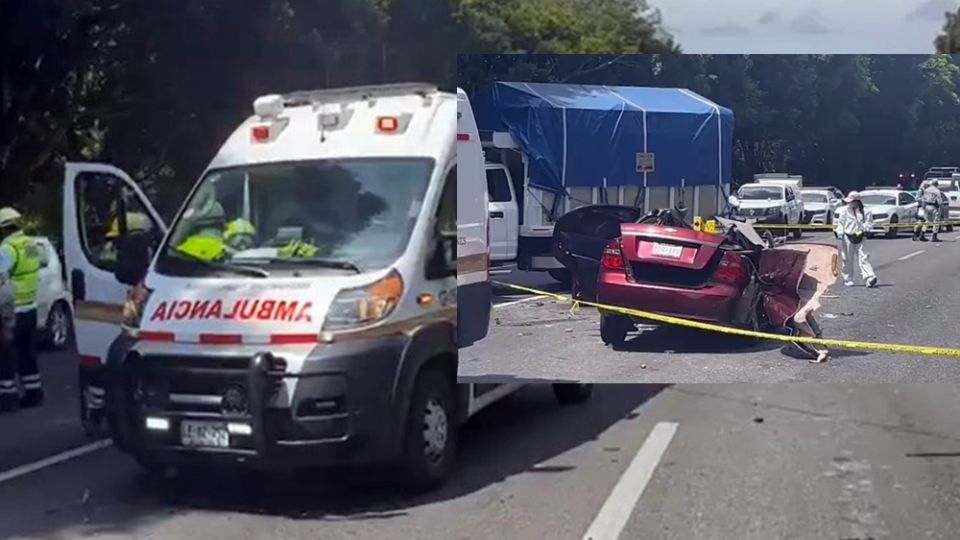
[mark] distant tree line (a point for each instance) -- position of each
(845, 120)
(154, 87)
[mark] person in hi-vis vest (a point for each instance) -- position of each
(20, 263)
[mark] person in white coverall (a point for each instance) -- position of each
(851, 227)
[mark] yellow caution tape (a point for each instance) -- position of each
(676, 321)
(818, 226)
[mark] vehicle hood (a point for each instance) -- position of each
(816, 206)
(251, 308)
(880, 208)
(748, 205)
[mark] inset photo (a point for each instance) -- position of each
(709, 218)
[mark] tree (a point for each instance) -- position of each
(949, 40)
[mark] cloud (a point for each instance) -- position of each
(809, 22)
(932, 10)
(769, 18)
(725, 29)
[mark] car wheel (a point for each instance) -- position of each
(430, 433)
(572, 393)
(59, 326)
(562, 276)
(613, 329)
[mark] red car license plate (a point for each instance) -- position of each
(666, 250)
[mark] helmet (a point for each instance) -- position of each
(136, 222)
(9, 216)
(240, 234)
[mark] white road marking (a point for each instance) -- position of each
(514, 302)
(912, 255)
(22, 470)
(616, 511)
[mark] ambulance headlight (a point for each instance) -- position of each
(137, 298)
(365, 305)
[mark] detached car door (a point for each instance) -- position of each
(579, 238)
(94, 195)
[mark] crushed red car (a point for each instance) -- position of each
(658, 263)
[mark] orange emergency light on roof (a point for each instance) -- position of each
(387, 124)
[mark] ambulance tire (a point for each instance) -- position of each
(432, 406)
(572, 393)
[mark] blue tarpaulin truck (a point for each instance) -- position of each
(552, 148)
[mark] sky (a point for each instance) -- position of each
(805, 26)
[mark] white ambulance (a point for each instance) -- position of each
(474, 290)
(327, 336)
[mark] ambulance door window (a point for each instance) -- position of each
(446, 219)
(106, 201)
(99, 200)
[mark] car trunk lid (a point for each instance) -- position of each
(669, 255)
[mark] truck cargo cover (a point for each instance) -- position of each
(591, 136)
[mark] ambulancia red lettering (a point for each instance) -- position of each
(215, 311)
(247, 314)
(160, 314)
(183, 309)
(199, 309)
(242, 309)
(304, 314)
(266, 310)
(285, 311)
(236, 308)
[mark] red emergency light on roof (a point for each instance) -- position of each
(387, 124)
(463, 136)
(260, 133)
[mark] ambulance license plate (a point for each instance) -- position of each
(194, 433)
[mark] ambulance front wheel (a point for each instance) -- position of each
(430, 434)
(572, 393)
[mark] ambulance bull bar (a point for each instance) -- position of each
(279, 437)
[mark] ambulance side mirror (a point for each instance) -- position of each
(133, 258)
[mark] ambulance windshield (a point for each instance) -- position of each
(347, 215)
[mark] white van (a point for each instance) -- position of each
(341, 351)
(473, 231)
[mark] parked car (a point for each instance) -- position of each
(658, 263)
(819, 204)
(889, 206)
(771, 204)
(54, 302)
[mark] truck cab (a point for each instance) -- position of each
(504, 214)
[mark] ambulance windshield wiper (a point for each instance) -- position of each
(252, 271)
(319, 261)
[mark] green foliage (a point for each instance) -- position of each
(846, 120)
(155, 87)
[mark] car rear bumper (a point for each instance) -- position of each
(344, 409)
(714, 303)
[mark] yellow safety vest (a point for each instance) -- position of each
(25, 273)
(206, 247)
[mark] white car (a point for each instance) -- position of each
(819, 205)
(888, 207)
(54, 302)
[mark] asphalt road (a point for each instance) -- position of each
(637, 461)
(916, 303)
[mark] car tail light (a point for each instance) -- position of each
(612, 256)
(732, 269)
